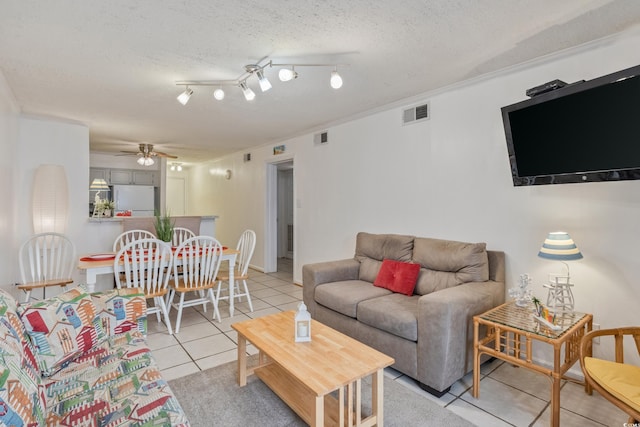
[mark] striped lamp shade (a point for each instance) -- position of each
(560, 247)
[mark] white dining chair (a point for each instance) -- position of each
(130, 236)
(199, 258)
(146, 264)
(180, 234)
(46, 260)
(246, 245)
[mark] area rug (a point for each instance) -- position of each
(212, 398)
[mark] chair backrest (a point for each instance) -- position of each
(130, 236)
(199, 259)
(145, 264)
(180, 234)
(47, 256)
(246, 246)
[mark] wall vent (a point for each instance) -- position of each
(321, 138)
(247, 157)
(415, 114)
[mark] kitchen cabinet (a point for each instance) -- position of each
(143, 177)
(121, 176)
(131, 176)
(100, 173)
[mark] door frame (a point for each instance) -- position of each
(271, 213)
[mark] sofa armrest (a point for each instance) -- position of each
(326, 272)
(445, 330)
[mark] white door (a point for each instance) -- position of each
(285, 211)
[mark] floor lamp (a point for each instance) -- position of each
(559, 246)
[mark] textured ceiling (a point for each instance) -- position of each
(113, 64)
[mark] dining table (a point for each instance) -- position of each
(95, 265)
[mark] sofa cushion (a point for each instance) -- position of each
(345, 296)
(398, 276)
(446, 263)
(21, 391)
(371, 249)
(395, 313)
(60, 328)
(119, 311)
(115, 383)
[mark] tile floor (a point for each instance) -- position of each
(509, 396)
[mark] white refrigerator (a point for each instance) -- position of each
(139, 199)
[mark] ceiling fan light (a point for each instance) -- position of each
(140, 161)
(336, 80)
(249, 95)
(183, 98)
(218, 94)
(148, 161)
(265, 84)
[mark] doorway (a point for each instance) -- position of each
(280, 218)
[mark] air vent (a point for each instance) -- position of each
(321, 138)
(415, 114)
(247, 157)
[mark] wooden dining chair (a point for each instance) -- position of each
(46, 260)
(199, 257)
(617, 381)
(130, 236)
(246, 245)
(146, 264)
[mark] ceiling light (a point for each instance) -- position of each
(218, 94)
(145, 161)
(265, 84)
(183, 98)
(176, 167)
(286, 74)
(249, 95)
(336, 80)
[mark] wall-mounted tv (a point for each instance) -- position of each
(583, 132)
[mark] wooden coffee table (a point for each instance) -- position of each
(304, 374)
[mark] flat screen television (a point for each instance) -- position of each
(583, 132)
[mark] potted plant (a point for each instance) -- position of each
(107, 207)
(164, 226)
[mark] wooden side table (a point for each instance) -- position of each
(511, 331)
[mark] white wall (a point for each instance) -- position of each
(8, 140)
(449, 178)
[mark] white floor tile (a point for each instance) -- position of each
(217, 359)
(263, 312)
(279, 299)
(160, 340)
(475, 415)
(169, 357)
(506, 403)
(179, 371)
(208, 346)
(196, 331)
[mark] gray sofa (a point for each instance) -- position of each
(429, 334)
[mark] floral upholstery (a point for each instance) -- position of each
(114, 382)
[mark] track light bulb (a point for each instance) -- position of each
(249, 95)
(172, 168)
(218, 94)
(286, 74)
(179, 168)
(336, 80)
(265, 84)
(183, 98)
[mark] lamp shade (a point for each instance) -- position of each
(99, 184)
(50, 199)
(559, 246)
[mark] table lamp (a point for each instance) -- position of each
(559, 246)
(98, 184)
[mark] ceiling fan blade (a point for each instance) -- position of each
(161, 154)
(128, 153)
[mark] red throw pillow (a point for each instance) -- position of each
(398, 276)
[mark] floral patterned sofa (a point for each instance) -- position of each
(81, 359)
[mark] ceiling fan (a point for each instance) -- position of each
(146, 154)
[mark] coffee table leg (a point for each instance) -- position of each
(319, 415)
(476, 361)
(242, 360)
(377, 395)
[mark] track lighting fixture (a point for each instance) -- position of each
(249, 95)
(183, 98)
(286, 73)
(176, 167)
(336, 80)
(218, 94)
